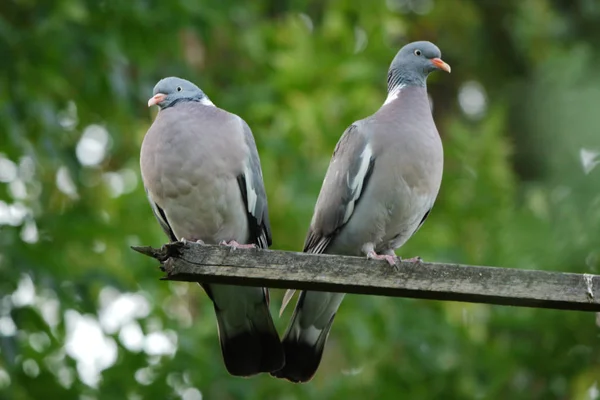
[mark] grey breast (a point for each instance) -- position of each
(197, 152)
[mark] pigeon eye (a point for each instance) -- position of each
(179, 88)
(417, 52)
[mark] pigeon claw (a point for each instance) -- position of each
(416, 260)
(371, 255)
(185, 241)
(235, 245)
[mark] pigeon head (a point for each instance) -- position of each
(413, 63)
(169, 91)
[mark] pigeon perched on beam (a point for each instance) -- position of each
(381, 184)
(202, 175)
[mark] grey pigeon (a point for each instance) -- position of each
(203, 179)
(381, 184)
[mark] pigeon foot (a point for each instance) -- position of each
(185, 241)
(235, 245)
(371, 255)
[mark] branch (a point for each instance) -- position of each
(193, 262)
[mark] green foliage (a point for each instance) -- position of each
(516, 193)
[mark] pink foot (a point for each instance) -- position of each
(389, 258)
(415, 260)
(235, 245)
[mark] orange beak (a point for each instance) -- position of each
(156, 99)
(440, 64)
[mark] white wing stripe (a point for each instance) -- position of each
(358, 180)
(155, 209)
(250, 192)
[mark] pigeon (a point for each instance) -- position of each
(382, 181)
(203, 179)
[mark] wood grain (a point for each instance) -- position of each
(193, 262)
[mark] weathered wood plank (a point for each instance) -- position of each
(194, 262)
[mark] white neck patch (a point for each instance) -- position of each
(206, 101)
(393, 95)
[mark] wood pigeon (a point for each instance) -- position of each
(381, 184)
(203, 178)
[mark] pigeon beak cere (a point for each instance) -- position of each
(156, 99)
(440, 64)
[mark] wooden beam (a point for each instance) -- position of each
(193, 262)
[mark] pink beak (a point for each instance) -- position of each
(438, 62)
(156, 99)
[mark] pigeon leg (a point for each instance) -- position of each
(416, 260)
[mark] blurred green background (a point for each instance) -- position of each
(84, 317)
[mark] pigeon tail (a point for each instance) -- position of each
(307, 334)
(249, 342)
